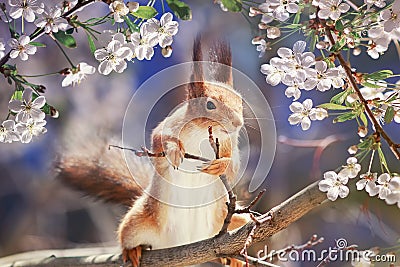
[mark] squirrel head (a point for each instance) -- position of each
(221, 105)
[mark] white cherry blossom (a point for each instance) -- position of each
(261, 46)
(282, 8)
(368, 182)
(377, 3)
(303, 113)
(27, 108)
(332, 9)
(51, 20)
(76, 75)
(144, 42)
(25, 8)
(387, 184)
(273, 71)
(27, 130)
(119, 10)
(334, 185)
(165, 28)
(294, 90)
(391, 17)
(21, 47)
(114, 55)
(323, 78)
(7, 132)
(2, 47)
(352, 168)
(296, 63)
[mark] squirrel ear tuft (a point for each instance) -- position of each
(196, 87)
(220, 52)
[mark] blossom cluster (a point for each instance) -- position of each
(299, 70)
(380, 26)
(137, 34)
(29, 119)
(386, 186)
(139, 45)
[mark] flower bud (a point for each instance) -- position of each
(352, 150)
(132, 6)
(356, 51)
(166, 51)
(273, 32)
(362, 131)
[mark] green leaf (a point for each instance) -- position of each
(314, 39)
(66, 39)
(37, 44)
(232, 5)
(145, 12)
(17, 95)
(340, 97)
(345, 117)
(181, 9)
(297, 17)
(70, 31)
(364, 119)
(379, 75)
(92, 46)
(370, 85)
(132, 26)
(366, 143)
(338, 45)
(389, 114)
(382, 158)
(339, 25)
(333, 106)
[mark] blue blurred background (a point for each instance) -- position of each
(38, 212)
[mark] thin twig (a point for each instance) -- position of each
(231, 205)
(147, 153)
(378, 128)
(252, 203)
(212, 142)
(312, 242)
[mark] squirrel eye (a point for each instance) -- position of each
(210, 105)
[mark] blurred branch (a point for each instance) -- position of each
(319, 144)
(228, 245)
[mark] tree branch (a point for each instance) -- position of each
(378, 128)
(228, 244)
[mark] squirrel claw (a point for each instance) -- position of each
(217, 167)
(175, 154)
(133, 255)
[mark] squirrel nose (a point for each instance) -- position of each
(237, 123)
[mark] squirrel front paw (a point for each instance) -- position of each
(133, 255)
(175, 153)
(217, 166)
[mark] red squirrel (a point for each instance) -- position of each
(158, 224)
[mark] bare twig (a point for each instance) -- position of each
(231, 205)
(378, 128)
(247, 209)
(147, 153)
(213, 145)
(312, 242)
